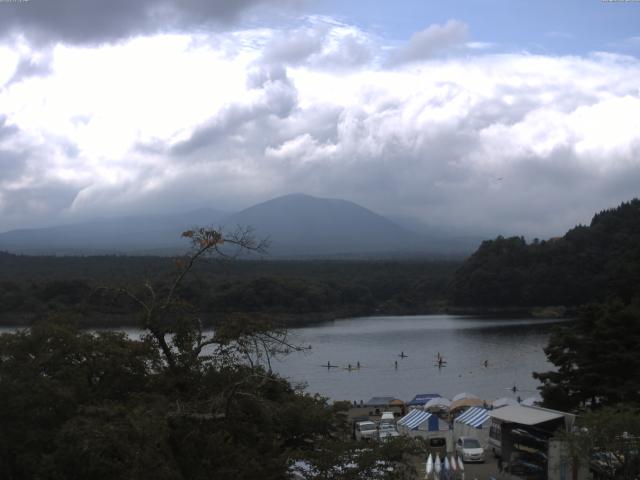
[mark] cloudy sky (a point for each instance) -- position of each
(493, 116)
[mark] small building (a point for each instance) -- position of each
(418, 423)
(523, 437)
(503, 402)
(377, 405)
(475, 423)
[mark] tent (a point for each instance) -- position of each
(418, 420)
(422, 398)
(462, 395)
(475, 423)
(438, 404)
(464, 403)
(418, 423)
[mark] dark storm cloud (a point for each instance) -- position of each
(98, 21)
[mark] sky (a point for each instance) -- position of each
(492, 117)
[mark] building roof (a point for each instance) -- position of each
(422, 398)
(525, 415)
(531, 401)
(379, 401)
(414, 419)
(503, 402)
(474, 417)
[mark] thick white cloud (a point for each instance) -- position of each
(502, 143)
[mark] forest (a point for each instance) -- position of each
(588, 264)
(294, 292)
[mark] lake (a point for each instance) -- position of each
(512, 348)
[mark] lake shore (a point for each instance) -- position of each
(293, 320)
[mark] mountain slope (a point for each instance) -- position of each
(300, 224)
(136, 234)
(590, 263)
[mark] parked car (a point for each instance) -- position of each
(469, 449)
(366, 430)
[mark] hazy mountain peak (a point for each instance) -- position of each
(296, 224)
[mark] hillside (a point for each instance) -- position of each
(589, 263)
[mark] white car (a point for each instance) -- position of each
(469, 449)
(386, 432)
(366, 431)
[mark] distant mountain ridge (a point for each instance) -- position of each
(297, 225)
(143, 234)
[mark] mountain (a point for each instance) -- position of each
(299, 224)
(589, 263)
(143, 234)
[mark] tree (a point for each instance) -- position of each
(597, 359)
(610, 439)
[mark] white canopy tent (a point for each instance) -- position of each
(475, 423)
(437, 404)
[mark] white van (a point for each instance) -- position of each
(387, 426)
(365, 430)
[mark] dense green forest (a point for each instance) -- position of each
(590, 263)
(292, 291)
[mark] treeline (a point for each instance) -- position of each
(590, 263)
(293, 291)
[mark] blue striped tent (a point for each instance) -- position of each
(419, 419)
(475, 417)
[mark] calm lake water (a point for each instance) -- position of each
(512, 347)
